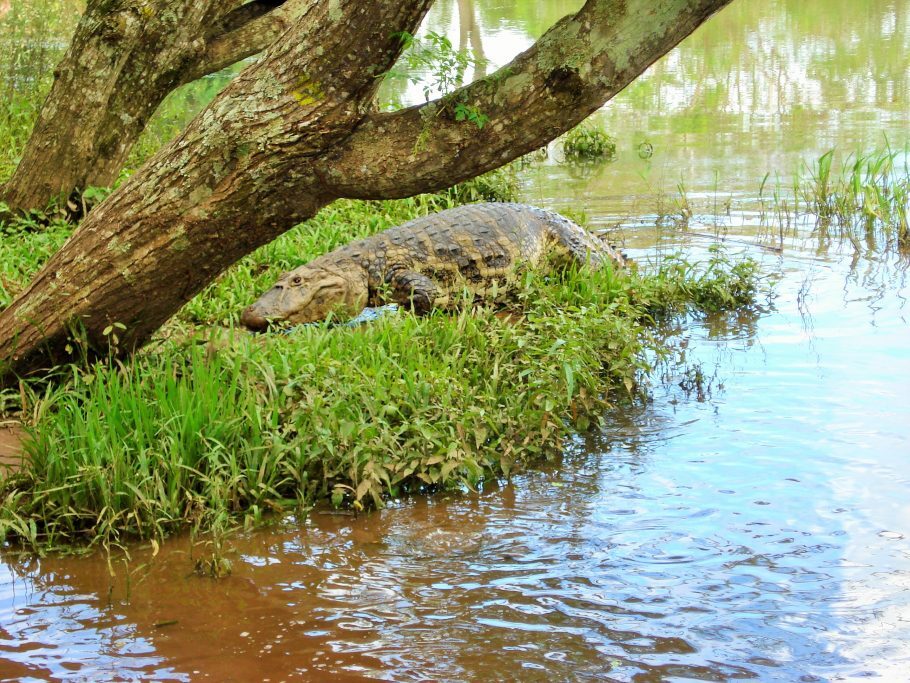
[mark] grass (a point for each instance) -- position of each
(209, 426)
(23, 251)
(868, 199)
(864, 201)
(589, 141)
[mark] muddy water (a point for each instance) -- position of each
(752, 525)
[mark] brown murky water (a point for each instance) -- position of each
(756, 528)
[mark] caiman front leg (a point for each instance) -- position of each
(413, 289)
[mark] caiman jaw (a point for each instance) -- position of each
(251, 319)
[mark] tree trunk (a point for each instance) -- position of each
(125, 57)
(293, 132)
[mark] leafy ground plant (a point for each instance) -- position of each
(204, 427)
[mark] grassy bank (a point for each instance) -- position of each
(209, 425)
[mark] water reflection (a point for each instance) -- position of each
(469, 36)
(761, 88)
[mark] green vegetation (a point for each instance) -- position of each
(868, 198)
(433, 63)
(865, 202)
(211, 425)
(588, 141)
(23, 251)
(29, 49)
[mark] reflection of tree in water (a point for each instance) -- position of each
(469, 30)
(788, 58)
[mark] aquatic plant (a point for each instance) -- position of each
(588, 141)
(865, 202)
(868, 198)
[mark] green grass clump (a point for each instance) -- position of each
(23, 252)
(869, 197)
(499, 185)
(865, 201)
(589, 141)
(719, 284)
(197, 434)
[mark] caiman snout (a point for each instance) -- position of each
(252, 319)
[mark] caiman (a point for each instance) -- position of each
(428, 263)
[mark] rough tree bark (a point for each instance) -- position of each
(125, 57)
(295, 131)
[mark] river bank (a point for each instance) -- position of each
(209, 435)
(747, 521)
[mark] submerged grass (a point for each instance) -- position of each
(208, 426)
(588, 141)
(865, 200)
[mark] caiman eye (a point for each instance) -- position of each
(296, 280)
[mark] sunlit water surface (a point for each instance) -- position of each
(754, 525)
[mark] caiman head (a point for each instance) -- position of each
(306, 295)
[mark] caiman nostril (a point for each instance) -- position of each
(252, 320)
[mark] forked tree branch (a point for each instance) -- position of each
(577, 66)
(246, 31)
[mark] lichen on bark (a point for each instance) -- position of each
(125, 57)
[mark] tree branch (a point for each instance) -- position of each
(242, 14)
(577, 66)
(247, 31)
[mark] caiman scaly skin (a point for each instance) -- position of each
(428, 262)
